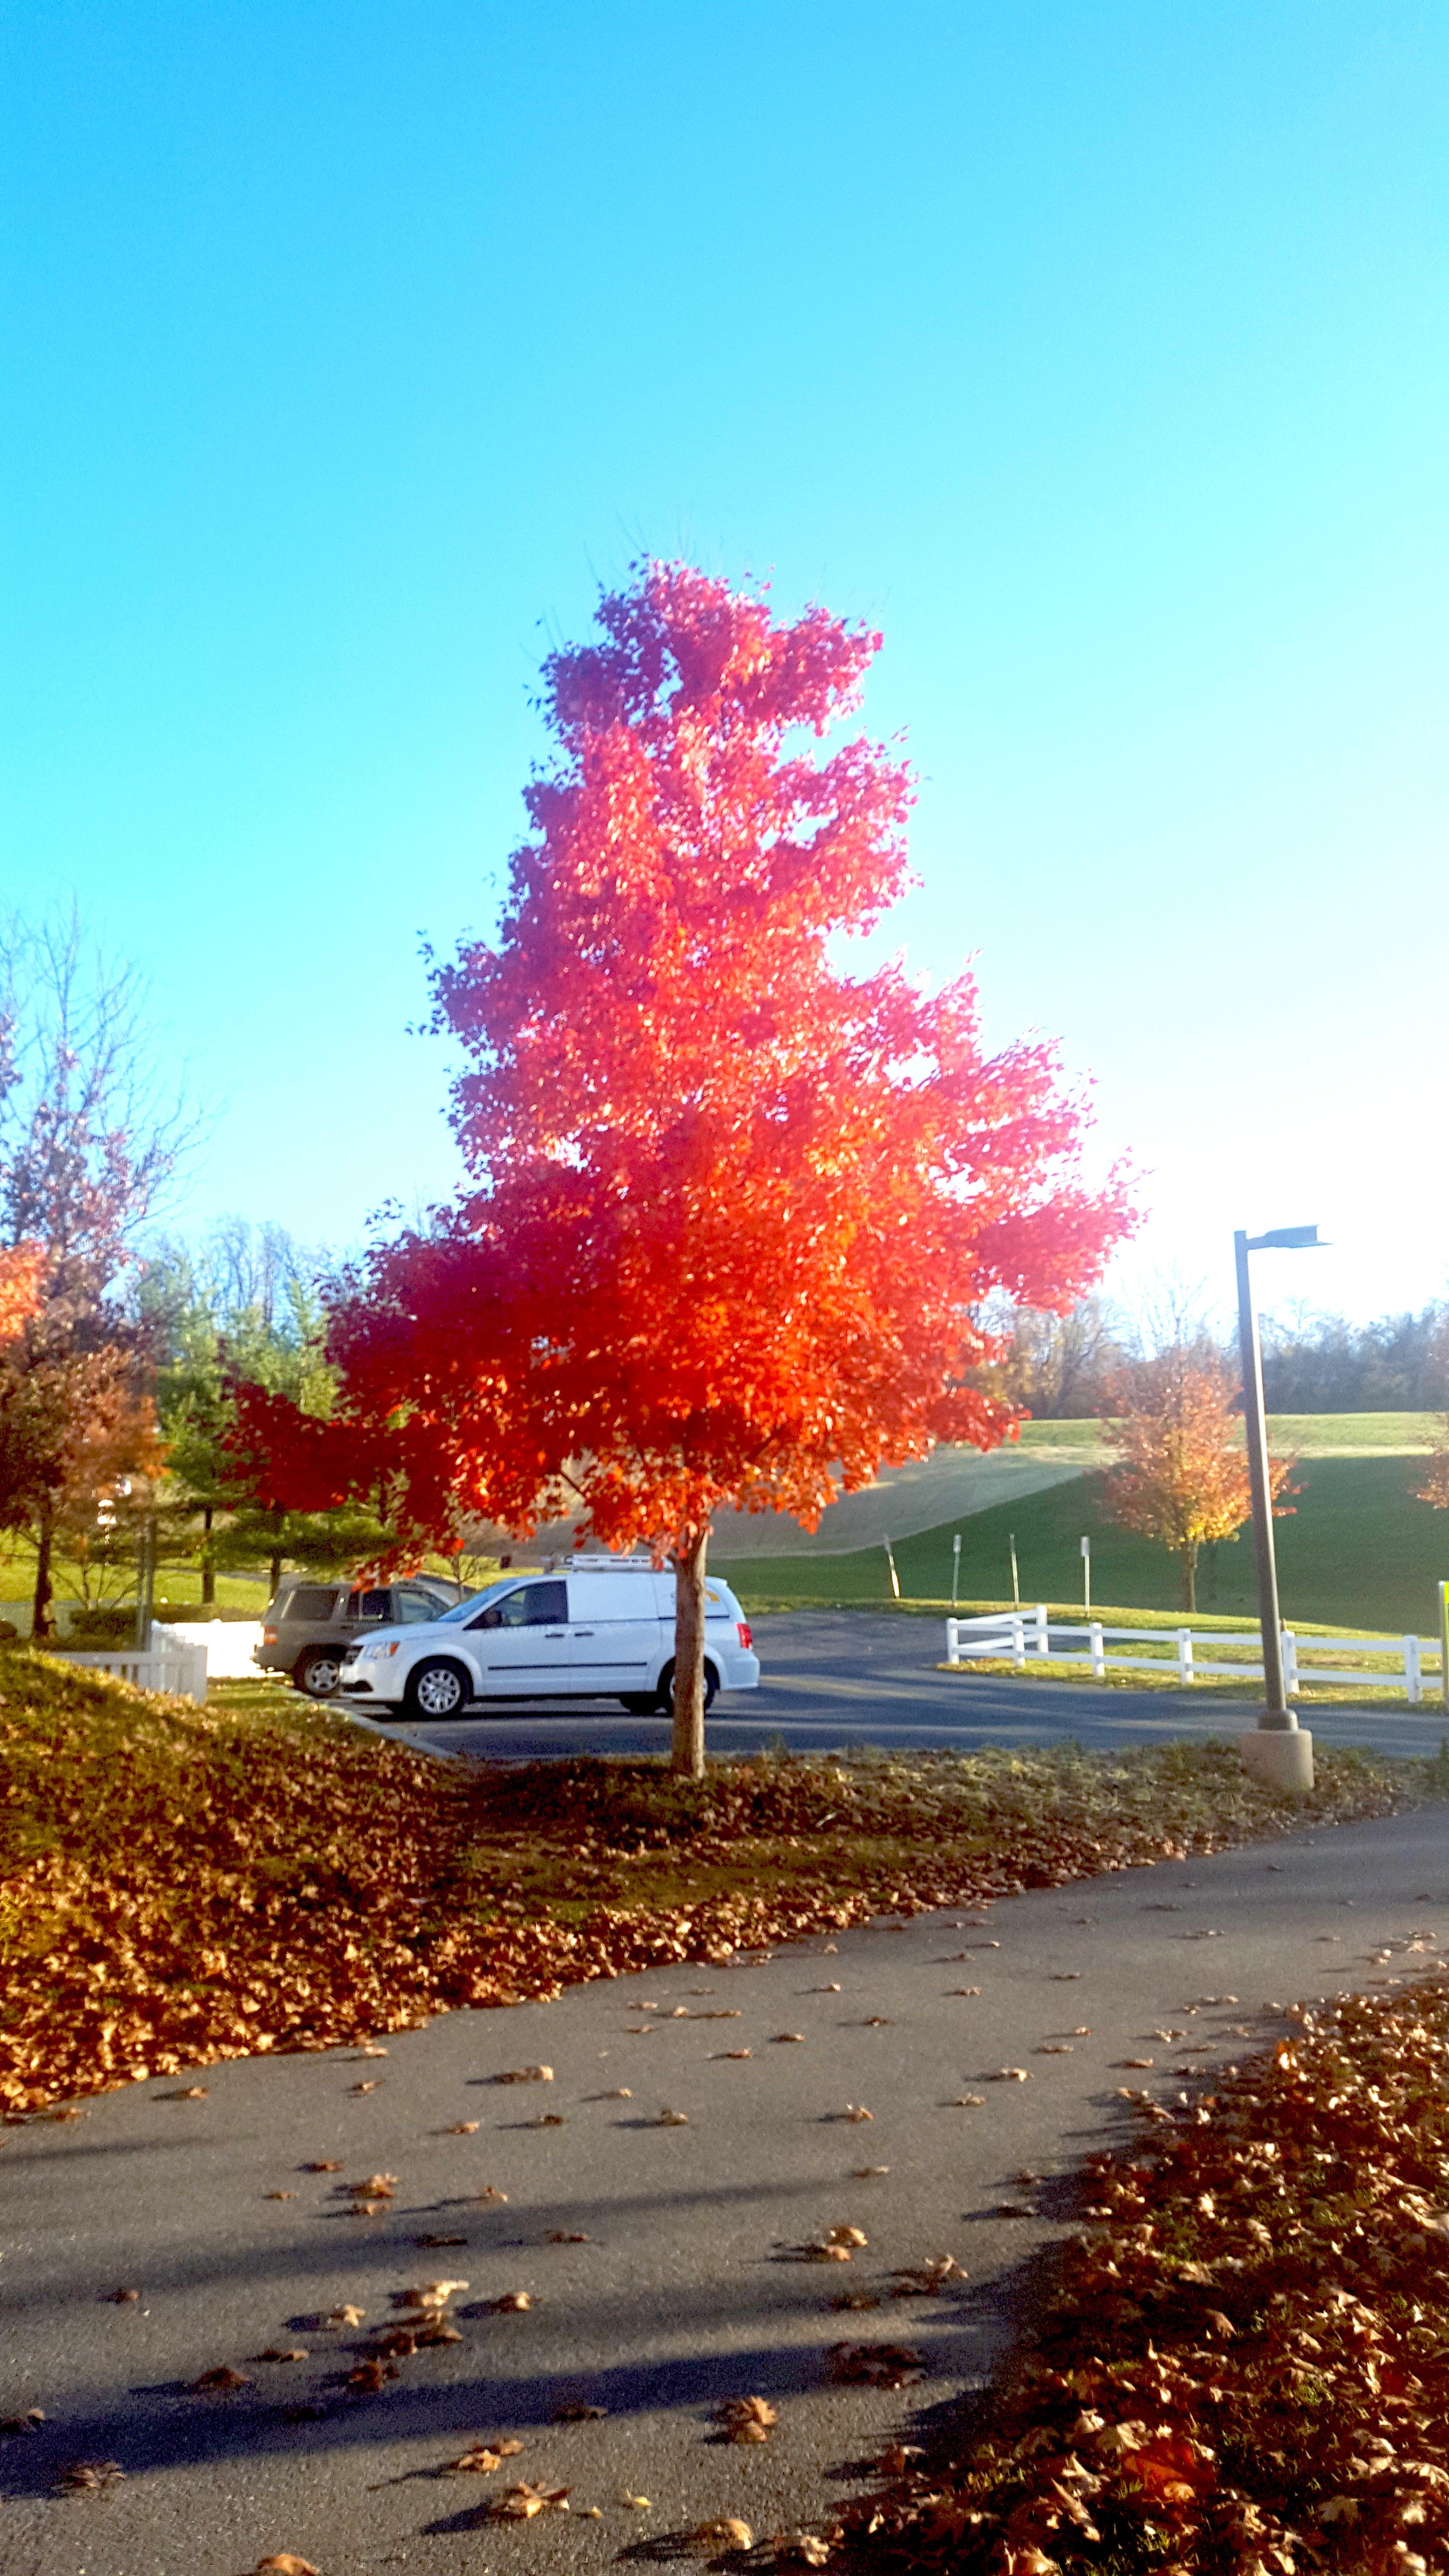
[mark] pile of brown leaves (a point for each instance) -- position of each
(181, 1884)
(1246, 2367)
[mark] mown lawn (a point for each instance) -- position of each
(1357, 1550)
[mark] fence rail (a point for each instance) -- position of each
(1021, 1636)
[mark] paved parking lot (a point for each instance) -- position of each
(834, 1678)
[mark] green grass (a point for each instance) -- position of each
(1357, 1552)
(1304, 1435)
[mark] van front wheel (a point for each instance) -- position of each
(666, 1686)
(437, 1690)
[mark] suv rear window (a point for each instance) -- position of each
(310, 1601)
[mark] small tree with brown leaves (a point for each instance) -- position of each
(1182, 1474)
(1435, 1488)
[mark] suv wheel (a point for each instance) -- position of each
(666, 1687)
(438, 1689)
(639, 1703)
(318, 1672)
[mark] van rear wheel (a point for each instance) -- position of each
(666, 1686)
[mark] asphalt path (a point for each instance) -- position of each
(835, 1678)
(664, 2260)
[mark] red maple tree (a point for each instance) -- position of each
(731, 1211)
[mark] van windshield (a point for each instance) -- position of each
(470, 1601)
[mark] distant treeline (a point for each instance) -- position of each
(1063, 1367)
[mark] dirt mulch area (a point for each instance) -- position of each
(1244, 2367)
(181, 1884)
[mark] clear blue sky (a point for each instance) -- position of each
(1098, 354)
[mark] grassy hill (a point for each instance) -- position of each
(1357, 1549)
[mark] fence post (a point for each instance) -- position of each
(1018, 1643)
(1043, 1639)
(1413, 1672)
(1099, 1660)
(953, 1646)
(1184, 1655)
(1290, 1664)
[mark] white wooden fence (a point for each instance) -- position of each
(1019, 1635)
(165, 1665)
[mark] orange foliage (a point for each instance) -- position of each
(731, 1212)
(21, 1272)
(1182, 1476)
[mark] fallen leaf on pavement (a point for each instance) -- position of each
(431, 2294)
(526, 2075)
(878, 2021)
(460, 2129)
(855, 2111)
(547, 2120)
(1055, 2048)
(876, 2365)
(734, 2052)
(325, 2164)
(746, 2419)
(87, 2477)
(279, 2195)
(576, 2410)
(490, 2191)
(673, 2120)
(284, 2562)
(371, 2377)
(521, 2503)
(513, 2302)
(282, 2352)
(927, 2280)
(783, 2037)
(567, 2236)
(1134, 2061)
(864, 2173)
(966, 2102)
(29, 2422)
(639, 2504)
(710, 2537)
(621, 2093)
(963, 1990)
(1009, 2075)
(344, 2316)
(440, 2240)
(369, 2087)
(480, 2462)
(222, 2379)
(1065, 1976)
(122, 2298)
(844, 2235)
(376, 2187)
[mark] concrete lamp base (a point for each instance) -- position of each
(1282, 1758)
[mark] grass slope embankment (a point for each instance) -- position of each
(180, 1884)
(1357, 1549)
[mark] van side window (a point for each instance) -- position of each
(533, 1605)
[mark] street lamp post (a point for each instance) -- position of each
(1279, 1749)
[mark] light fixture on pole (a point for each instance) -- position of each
(1279, 1750)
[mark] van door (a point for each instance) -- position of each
(522, 1643)
(616, 1633)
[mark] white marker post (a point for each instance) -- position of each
(1087, 1576)
(955, 1569)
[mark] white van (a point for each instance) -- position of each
(604, 1629)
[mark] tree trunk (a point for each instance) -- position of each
(1189, 1579)
(42, 1617)
(208, 1555)
(277, 1523)
(688, 1749)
